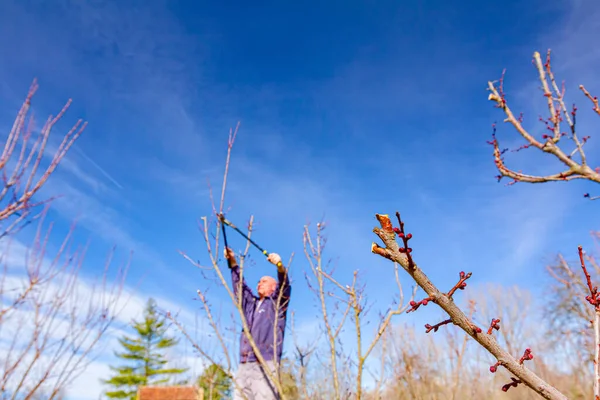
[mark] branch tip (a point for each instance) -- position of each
(414, 305)
(515, 382)
(384, 221)
(377, 249)
(527, 355)
(495, 324)
(429, 328)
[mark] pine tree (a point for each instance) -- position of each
(145, 354)
(215, 382)
(288, 380)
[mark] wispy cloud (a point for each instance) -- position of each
(108, 223)
(97, 167)
(18, 325)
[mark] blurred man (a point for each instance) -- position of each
(263, 314)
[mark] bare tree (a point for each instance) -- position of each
(574, 316)
(303, 353)
(511, 307)
(21, 164)
(51, 319)
(413, 370)
(457, 345)
(572, 321)
(350, 300)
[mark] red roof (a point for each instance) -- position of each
(168, 393)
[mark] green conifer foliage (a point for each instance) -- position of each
(145, 357)
(215, 382)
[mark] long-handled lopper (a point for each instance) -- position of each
(228, 223)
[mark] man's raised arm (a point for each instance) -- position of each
(282, 277)
(247, 295)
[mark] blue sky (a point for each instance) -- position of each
(347, 109)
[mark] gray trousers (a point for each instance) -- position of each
(254, 382)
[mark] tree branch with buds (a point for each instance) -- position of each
(56, 319)
(594, 299)
(403, 256)
(549, 142)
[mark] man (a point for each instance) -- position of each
(266, 319)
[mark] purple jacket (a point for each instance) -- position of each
(261, 317)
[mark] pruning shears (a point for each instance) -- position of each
(228, 223)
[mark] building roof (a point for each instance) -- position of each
(168, 393)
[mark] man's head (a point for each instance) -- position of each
(266, 286)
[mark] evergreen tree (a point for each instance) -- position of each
(288, 380)
(215, 382)
(145, 354)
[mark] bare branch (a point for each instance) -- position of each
(392, 252)
(314, 256)
(594, 299)
(558, 113)
(26, 179)
(593, 99)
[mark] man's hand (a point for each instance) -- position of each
(230, 257)
(274, 258)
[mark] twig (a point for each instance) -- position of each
(314, 256)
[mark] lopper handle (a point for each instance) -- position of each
(266, 253)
